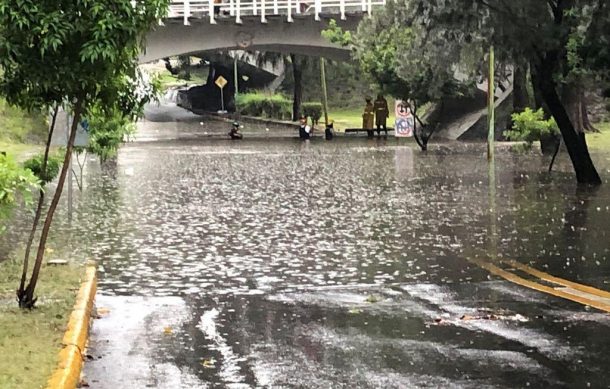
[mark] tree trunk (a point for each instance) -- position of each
(587, 125)
(168, 65)
(520, 96)
(297, 73)
(575, 141)
(29, 301)
(538, 98)
(185, 65)
(548, 144)
(26, 259)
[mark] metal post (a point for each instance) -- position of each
(370, 8)
(254, 7)
(232, 7)
(187, 12)
(324, 93)
(289, 19)
(363, 5)
(235, 79)
(238, 11)
(342, 9)
(212, 11)
(491, 106)
(263, 11)
(318, 7)
(276, 10)
(222, 101)
(70, 188)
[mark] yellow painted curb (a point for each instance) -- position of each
(67, 375)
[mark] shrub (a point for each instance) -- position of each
(34, 164)
(15, 182)
(260, 105)
(530, 126)
(107, 131)
(313, 110)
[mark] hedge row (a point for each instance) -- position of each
(273, 107)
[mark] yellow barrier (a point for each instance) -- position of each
(67, 375)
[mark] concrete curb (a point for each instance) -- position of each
(67, 374)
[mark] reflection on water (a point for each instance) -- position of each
(275, 245)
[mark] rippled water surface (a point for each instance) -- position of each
(325, 264)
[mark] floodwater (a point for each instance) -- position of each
(272, 262)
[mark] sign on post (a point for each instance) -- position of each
(221, 82)
(405, 121)
(82, 134)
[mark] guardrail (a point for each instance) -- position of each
(186, 9)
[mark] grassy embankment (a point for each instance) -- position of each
(601, 140)
(198, 75)
(21, 133)
(30, 340)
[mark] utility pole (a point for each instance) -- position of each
(324, 94)
(491, 165)
(491, 104)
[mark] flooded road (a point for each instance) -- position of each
(348, 264)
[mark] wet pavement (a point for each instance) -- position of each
(346, 264)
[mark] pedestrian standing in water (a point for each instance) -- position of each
(368, 117)
(304, 128)
(381, 114)
(234, 133)
(329, 131)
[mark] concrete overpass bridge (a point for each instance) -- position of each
(284, 26)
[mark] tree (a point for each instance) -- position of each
(298, 63)
(15, 182)
(78, 54)
(406, 62)
(550, 35)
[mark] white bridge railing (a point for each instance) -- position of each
(186, 9)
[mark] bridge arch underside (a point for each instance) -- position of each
(303, 36)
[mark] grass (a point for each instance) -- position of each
(168, 80)
(21, 133)
(352, 118)
(20, 151)
(17, 126)
(601, 140)
(30, 340)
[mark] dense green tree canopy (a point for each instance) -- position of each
(53, 51)
(81, 54)
(424, 44)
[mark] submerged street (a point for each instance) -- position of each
(355, 263)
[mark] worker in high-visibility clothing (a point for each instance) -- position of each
(368, 117)
(381, 114)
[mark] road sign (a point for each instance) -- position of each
(221, 82)
(405, 121)
(82, 134)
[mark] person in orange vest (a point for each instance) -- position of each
(368, 117)
(381, 114)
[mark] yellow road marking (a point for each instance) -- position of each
(539, 287)
(556, 280)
